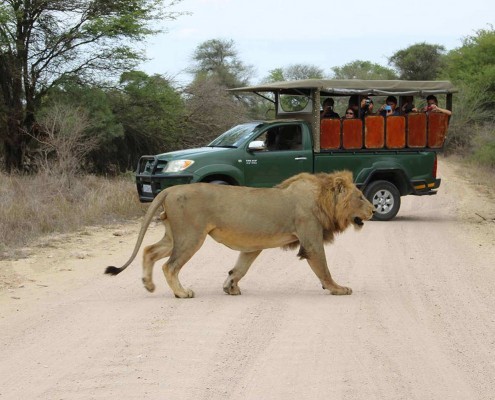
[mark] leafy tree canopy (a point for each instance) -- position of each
(294, 72)
(219, 59)
(474, 62)
(419, 62)
(43, 43)
(360, 69)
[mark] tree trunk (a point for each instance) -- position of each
(14, 142)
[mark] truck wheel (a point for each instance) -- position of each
(218, 182)
(385, 197)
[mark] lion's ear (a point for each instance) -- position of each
(342, 180)
(340, 184)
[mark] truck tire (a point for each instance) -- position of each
(385, 198)
(218, 182)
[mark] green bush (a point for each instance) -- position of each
(483, 151)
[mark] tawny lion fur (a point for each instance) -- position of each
(305, 210)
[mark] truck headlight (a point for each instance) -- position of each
(178, 165)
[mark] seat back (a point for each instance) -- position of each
(396, 132)
(416, 130)
(374, 131)
(329, 133)
(437, 129)
(352, 134)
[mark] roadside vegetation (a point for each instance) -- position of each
(36, 205)
(76, 114)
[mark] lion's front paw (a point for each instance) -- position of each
(341, 290)
(187, 294)
(231, 288)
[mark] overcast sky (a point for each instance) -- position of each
(272, 33)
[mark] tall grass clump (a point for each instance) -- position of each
(35, 205)
(483, 146)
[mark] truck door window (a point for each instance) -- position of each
(285, 137)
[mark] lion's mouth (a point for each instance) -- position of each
(358, 221)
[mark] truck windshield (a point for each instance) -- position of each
(235, 136)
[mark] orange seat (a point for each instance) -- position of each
(352, 133)
(374, 132)
(437, 129)
(330, 133)
(396, 132)
(416, 130)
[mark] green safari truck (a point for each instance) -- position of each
(389, 156)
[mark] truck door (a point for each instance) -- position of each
(286, 152)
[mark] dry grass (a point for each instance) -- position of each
(33, 206)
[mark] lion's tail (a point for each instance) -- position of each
(144, 227)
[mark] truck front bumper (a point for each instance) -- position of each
(150, 180)
(148, 186)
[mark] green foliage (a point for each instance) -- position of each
(217, 58)
(44, 43)
(294, 72)
(420, 62)
(469, 111)
(143, 116)
(359, 69)
(151, 112)
(103, 124)
(472, 68)
(474, 63)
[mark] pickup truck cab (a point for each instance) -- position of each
(389, 157)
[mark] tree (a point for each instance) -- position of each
(210, 110)
(474, 63)
(419, 62)
(151, 112)
(43, 43)
(359, 69)
(295, 72)
(64, 143)
(217, 58)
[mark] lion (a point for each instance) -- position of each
(303, 211)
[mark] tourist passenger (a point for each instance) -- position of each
(408, 105)
(366, 107)
(433, 106)
(354, 104)
(327, 111)
(390, 107)
(349, 113)
(361, 109)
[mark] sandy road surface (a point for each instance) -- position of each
(419, 325)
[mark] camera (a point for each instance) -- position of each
(367, 103)
(388, 108)
(429, 108)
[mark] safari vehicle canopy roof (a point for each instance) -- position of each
(346, 87)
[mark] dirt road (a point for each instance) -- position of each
(419, 325)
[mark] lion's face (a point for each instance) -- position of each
(359, 208)
(343, 202)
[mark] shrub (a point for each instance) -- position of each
(36, 205)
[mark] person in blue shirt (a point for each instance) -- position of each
(390, 107)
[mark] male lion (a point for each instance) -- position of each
(305, 210)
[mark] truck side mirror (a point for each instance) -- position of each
(257, 145)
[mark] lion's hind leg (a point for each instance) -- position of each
(151, 255)
(183, 249)
(244, 261)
